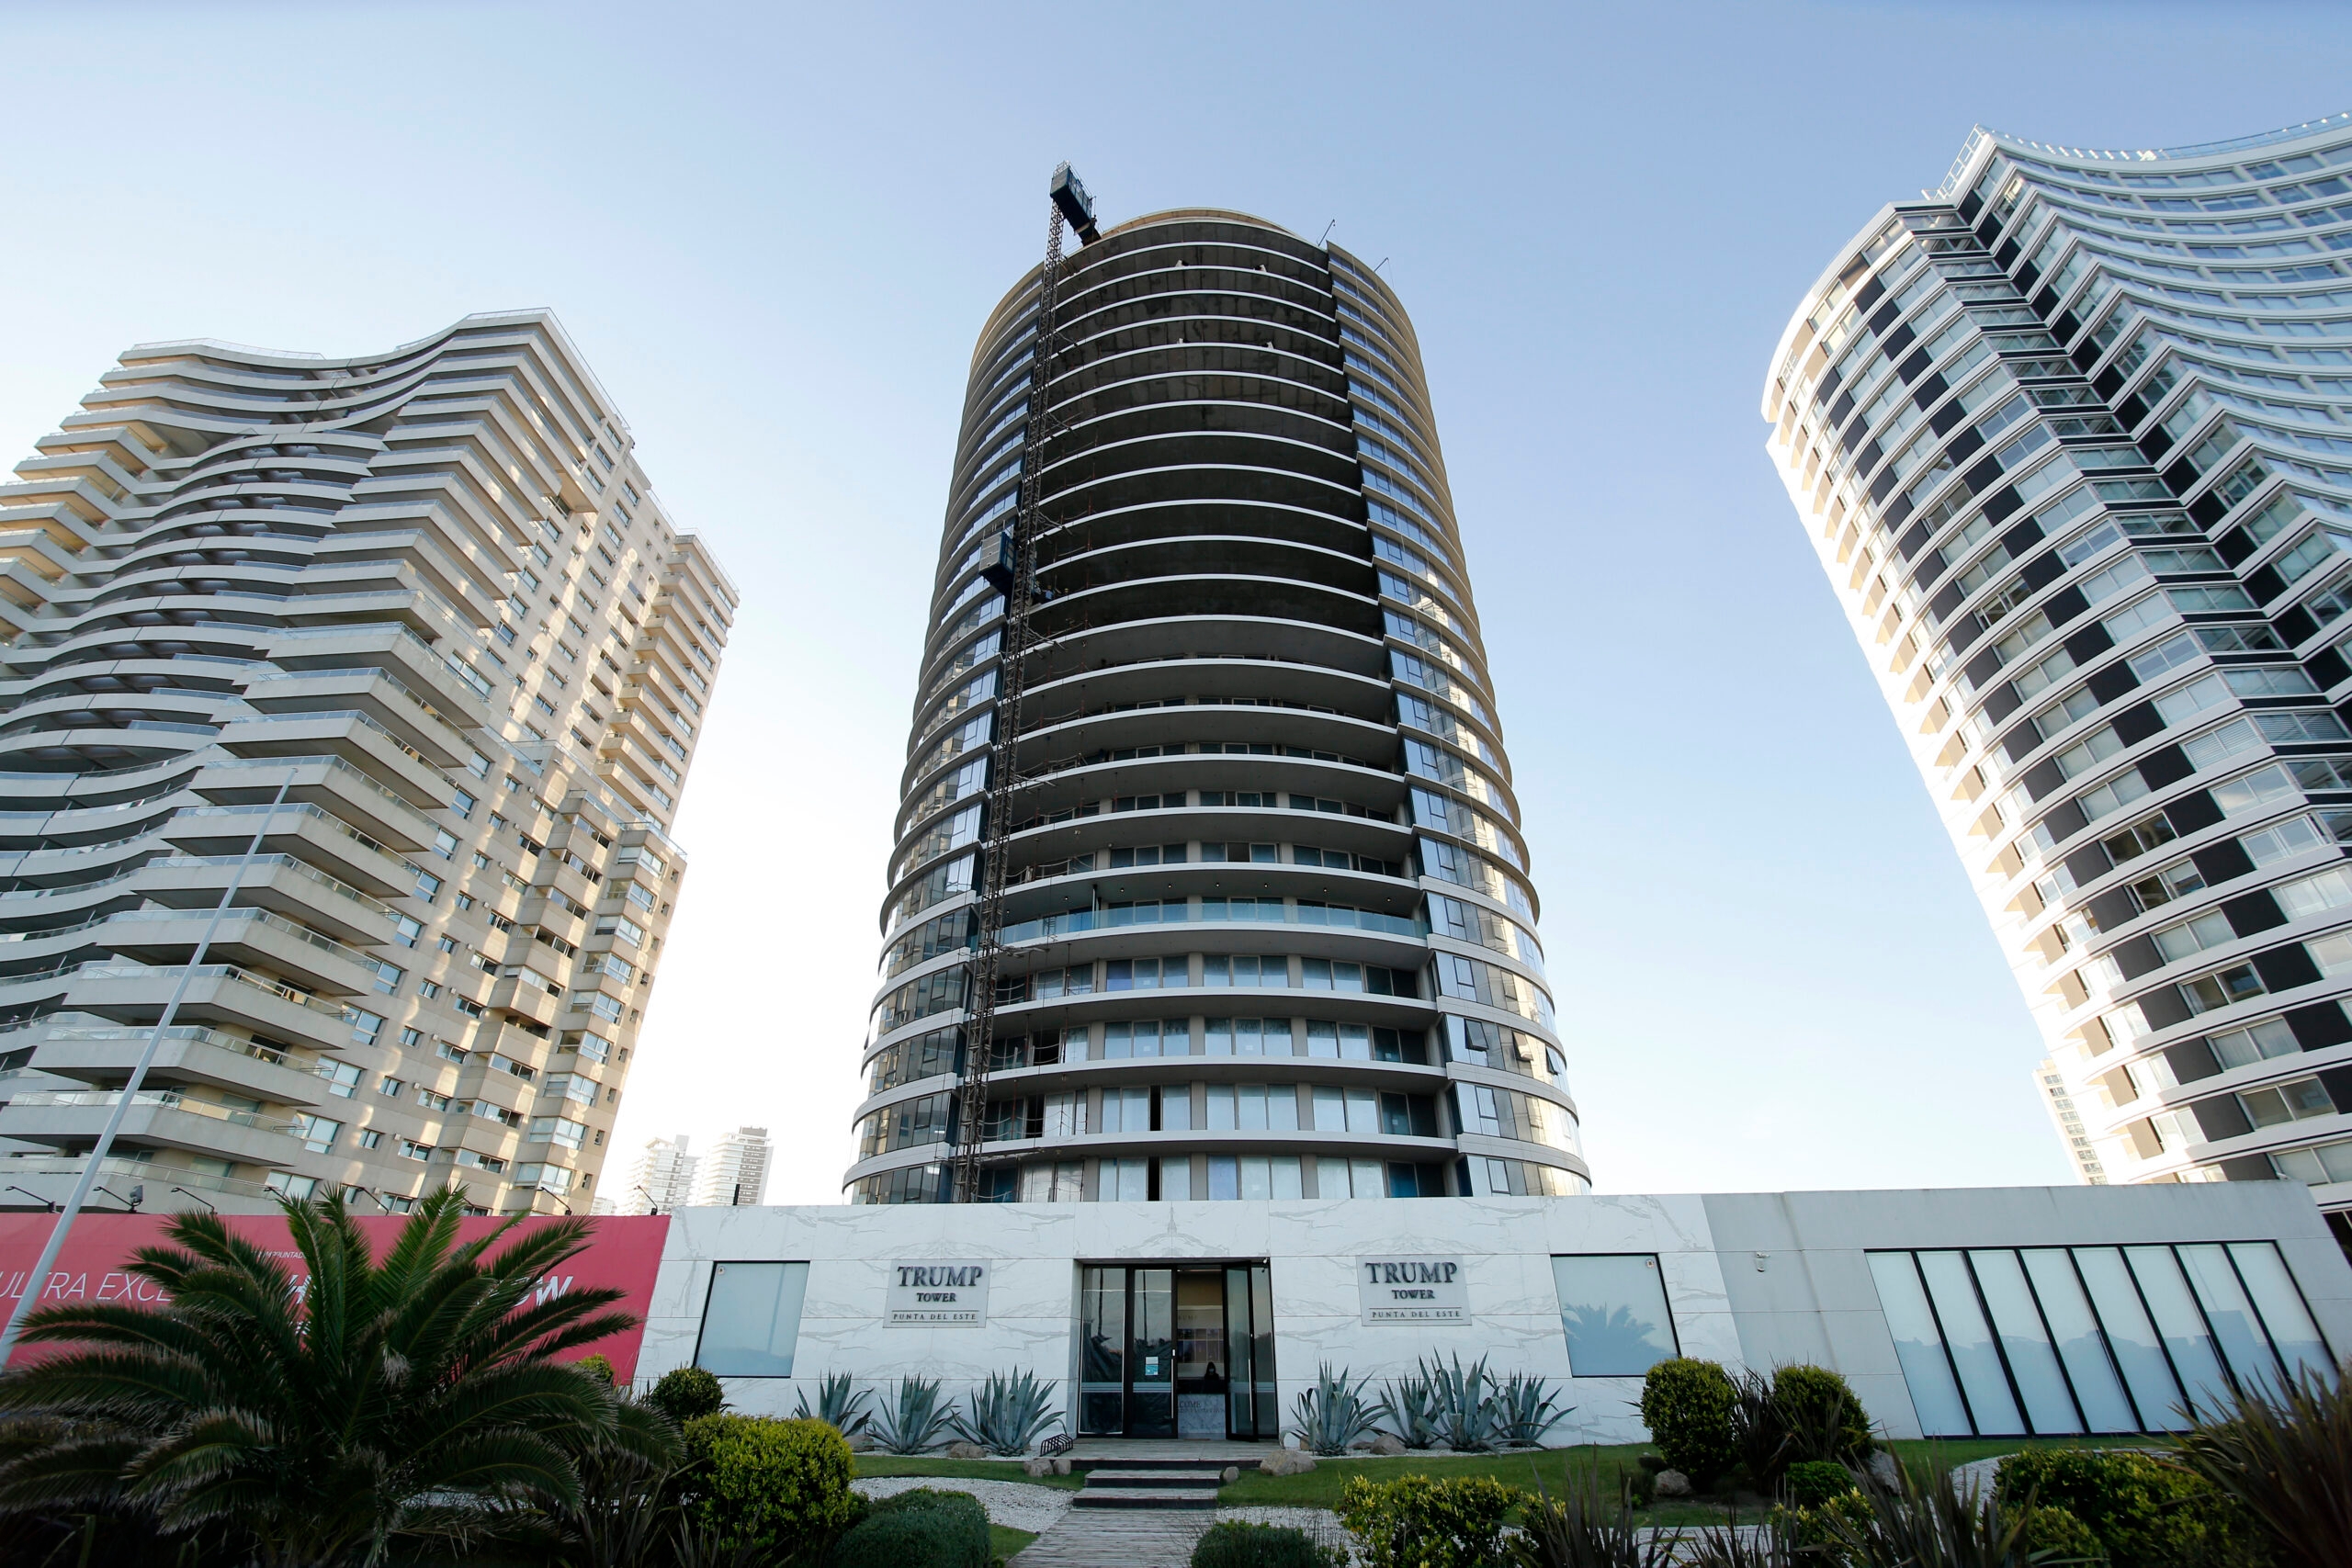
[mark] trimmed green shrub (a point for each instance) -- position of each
(1814, 1482)
(1640, 1484)
(1686, 1404)
(1415, 1522)
(2063, 1536)
(1820, 1414)
(1232, 1544)
(600, 1369)
(2144, 1510)
(779, 1486)
(685, 1393)
(1823, 1531)
(918, 1528)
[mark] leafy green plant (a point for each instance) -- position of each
(921, 1527)
(1582, 1528)
(416, 1399)
(1759, 1442)
(1409, 1410)
(1731, 1545)
(599, 1366)
(1820, 1415)
(1810, 1482)
(1930, 1522)
(2059, 1536)
(2142, 1508)
(1523, 1412)
(1415, 1522)
(916, 1423)
(629, 1503)
(1008, 1413)
(839, 1404)
(1814, 1531)
(1686, 1405)
(779, 1486)
(683, 1393)
(1233, 1544)
(1463, 1405)
(2287, 1460)
(1329, 1417)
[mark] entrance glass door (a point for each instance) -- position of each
(1177, 1352)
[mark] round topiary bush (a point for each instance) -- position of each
(2143, 1509)
(918, 1528)
(1820, 1413)
(597, 1366)
(779, 1486)
(2058, 1534)
(1686, 1404)
(1233, 1544)
(688, 1393)
(1814, 1482)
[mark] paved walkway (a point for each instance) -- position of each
(1118, 1538)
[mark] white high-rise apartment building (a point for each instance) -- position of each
(416, 624)
(2073, 438)
(662, 1179)
(735, 1173)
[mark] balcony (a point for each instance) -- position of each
(171, 1188)
(378, 694)
(276, 883)
(156, 1119)
(350, 734)
(220, 993)
(326, 782)
(304, 832)
(188, 1053)
(243, 936)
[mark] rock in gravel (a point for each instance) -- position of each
(966, 1451)
(1286, 1461)
(1035, 1466)
(1388, 1445)
(1673, 1484)
(1883, 1468)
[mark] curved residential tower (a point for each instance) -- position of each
(2073, 440)
(1269, 930)
(399, 657)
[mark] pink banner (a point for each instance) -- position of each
(624, 1252)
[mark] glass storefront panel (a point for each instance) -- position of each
(2292, 1332)
(1102, 1351)
(1970, 1339)
(2033, 1361)
(2080, 1345)
(1919, 1346)
(751, 1320)
(2191, 1348)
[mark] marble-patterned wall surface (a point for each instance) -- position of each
(1749, 1278)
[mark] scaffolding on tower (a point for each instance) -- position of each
(1015, 575)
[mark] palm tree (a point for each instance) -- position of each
(317, 1423)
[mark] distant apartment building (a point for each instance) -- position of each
(735, 1173)
(2069, 1121)
(661, 1180)
(403, 650)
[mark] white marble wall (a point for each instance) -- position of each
(1812, 1301)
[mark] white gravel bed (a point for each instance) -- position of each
(1012, 1503)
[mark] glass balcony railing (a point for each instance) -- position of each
(161, 1099)
(1215, 911)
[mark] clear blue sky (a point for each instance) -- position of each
(774, 231)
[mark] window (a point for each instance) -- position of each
(2056, 1340)
(406, 929)
(1613, 1310)
(751, 1321)
(2296, 1100)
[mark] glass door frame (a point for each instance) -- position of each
(1252, 1405)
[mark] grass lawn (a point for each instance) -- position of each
(1004, 1541)
(971, 1468)
(1320, 1488)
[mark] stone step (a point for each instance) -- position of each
(1212, 1479)
(1143, 1498)
(1210, 1462)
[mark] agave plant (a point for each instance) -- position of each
(914, 1424)
(1523, 1412)
(1409, 1409)
(837, 1406)
(1008, 1413)
(1329, 1417)
(1464, 1404)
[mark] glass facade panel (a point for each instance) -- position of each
(2097, 1391)
(2182, 1327)
(2033, 1361)
(2230, 1316)
(752, 1319)
(2137, 1351)
(1102, 1351)
(1970, 1341)
(1612, 1306)
(2292, 1332)
(1919, 1346)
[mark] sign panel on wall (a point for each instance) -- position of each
(938, 1293)
(1412, 1289)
